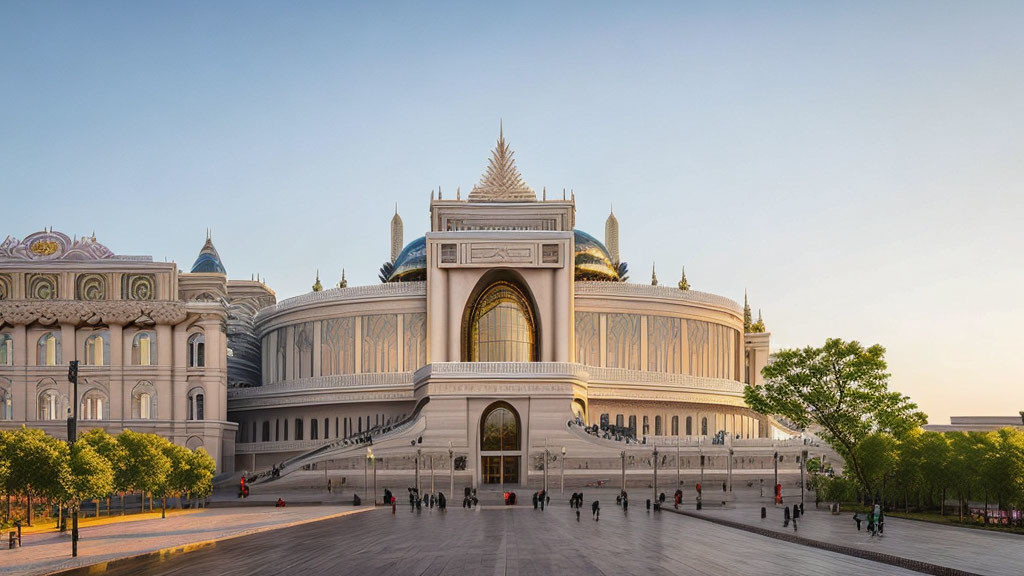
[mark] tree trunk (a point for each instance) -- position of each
(942, 503)
(28, 503)
(163, 507)
(122, 503)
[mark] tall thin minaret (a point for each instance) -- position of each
(611, 236)
(396, 235)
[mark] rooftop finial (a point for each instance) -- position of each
(344, 282)
(683, 284)
(502, 182)
(458, 192)
(654, 276)
(317, 286)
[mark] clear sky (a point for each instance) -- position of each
(857, 167)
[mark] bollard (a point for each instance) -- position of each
(764, 513)
(11, 539)
(648, 503)
(698, 504)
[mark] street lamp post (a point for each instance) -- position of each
(803, 466)
(622, 455)
(563, 469)
(546, 458)
(419, 454)
(72, 437)
(730, 469)
(776, 483)
(678, 479)
(451, 470)
(431, 473)
(373, 463)
(655, 473)
(366, 479)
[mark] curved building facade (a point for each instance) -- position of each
(500, 330)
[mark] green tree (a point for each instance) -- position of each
(38, 464)
(6, 446)
(201, 470)
(936, 455)
(146, 466)
(177, 480)
(843, 388)
(877, 457)
(108, 447)
(89, 476)
(1002, 468)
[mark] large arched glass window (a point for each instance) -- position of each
(6, 350)
(704, 426)
(196, 351)
(501, 326)
(675, 425)
(500, 430)
(48, 350)
(657, 426)
(97, 349)
(144, 349)
(689, 425)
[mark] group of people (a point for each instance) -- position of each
(787, 517)
(576, 503)
(417, 502)
(541, 498)
(876, 521)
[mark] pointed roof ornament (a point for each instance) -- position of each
(344, 282)
(747, 320)
(317, 286)
(502, 182)
(208, 260)
(544, 193)
(458, 192)
(654, 276)
(683, 284)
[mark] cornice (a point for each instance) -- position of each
(78, 312)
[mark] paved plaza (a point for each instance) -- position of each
(49, 552)
(499, 540)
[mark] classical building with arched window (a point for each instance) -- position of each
(496, 339)
(502, 330)
(152, 341)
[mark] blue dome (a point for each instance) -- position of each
(593, 262)
(208, 260)
(411, 264)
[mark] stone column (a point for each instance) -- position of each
(179, 373)
(118, 395)
(20, 385)
(165, 361)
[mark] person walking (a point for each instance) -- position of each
(596, 509)
(881, 522)
(857, 519)
(329, 486)
(785, 517)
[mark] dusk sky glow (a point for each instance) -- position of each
(856, 168)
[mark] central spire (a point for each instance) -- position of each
(501, 182)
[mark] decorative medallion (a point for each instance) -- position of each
(42, 286)
(138, 287)
(45, 247)
(91, 287)
(5, 287)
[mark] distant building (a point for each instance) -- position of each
(977, 423)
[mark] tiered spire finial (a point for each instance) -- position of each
(683, 284)
(344, 282)
(654, 276)
(611, 236)
(317, 286)
(747, 320)
(502, 182)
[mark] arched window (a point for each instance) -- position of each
(689, 426)
(675, 425)
(144, 349)
(604, 420)
(314, 429)
(94, 406)
(6, 350)
(97, 349)
(266, 430)
(285, 429)
(48, 401)
(196, 401)
(501, 326)
(143, 401)
(657, 426)
(704, 426)
(619, 421)
(327, 428)
(48, 350)
(298, 428)
(647, 426)
(197, 351)
(632, 425)
(6, 402)
(500, 442)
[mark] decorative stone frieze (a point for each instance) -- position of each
(47, 312)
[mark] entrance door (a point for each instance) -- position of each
(500, 454)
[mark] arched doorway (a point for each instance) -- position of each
(500, 444)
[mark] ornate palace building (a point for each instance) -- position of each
(501, 332)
